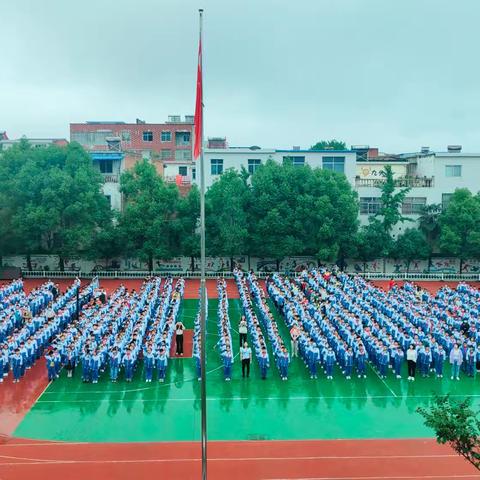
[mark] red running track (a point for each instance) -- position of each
(321, 460)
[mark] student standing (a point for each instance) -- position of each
(245, 357)
(242, 330)
(411, 362)
(179, 328)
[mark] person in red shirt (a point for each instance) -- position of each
(391, 284)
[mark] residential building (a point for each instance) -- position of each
(218, 160)
(431, 176)
(116, 146)
(5, 143)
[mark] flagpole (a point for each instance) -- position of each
(203, 303)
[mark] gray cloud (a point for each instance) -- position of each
(277, 73)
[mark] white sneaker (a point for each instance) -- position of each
(451, 378)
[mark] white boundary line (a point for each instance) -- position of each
(383, 381)
(39, 461)
(252, 398)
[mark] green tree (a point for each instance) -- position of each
(372, 242)
(456, 424)
(429, 224)
(410, 245)
(189, 217)
(460, 226)
(149, 222)
(329, 145)
(226, 216)
(300, 211)
(54, 199)
(391, 201)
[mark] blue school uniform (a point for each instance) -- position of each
(114, 360)
(329, 363)
(227, 365)
(161, 362)
(50, 367)
(361, 363)
(149, 363)
(17, 362)
(283, 361)
(313, 356)
(398, 361)
(263, 363)
(348, 364)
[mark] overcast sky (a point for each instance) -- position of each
(277, 73)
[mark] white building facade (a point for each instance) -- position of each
(432, 177)
(219, 160)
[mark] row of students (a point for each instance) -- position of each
(254, 328)
(282, 357)
(224, 343)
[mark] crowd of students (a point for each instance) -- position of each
(43, 313)
(197, 337)
(333, 319)
(130, 326)
(342, 319)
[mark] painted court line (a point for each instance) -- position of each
(215, 399)
(383, 381)
(213, 459)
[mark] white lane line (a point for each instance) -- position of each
(38, 461)
(215, 399)
(383, 381)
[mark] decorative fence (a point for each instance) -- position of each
(475, 277)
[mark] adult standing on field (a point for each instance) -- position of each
(245, 357)
(456, 360)
(179, 328)
(294, 334)
(411, 361)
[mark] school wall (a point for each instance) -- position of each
(222, 264)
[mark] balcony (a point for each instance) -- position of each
(401, 182)
(183, 180)
(111, 177)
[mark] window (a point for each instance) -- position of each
(296, 161)
(126, 136)
(194, 173)
(413, 205)
(336, 164)
(253, 164)
(216, 166)
(148, 136)
(109, 200)
(370, 205)
(446, 200)
(183, 154)
(182, 138)
(106, 166)
(166, 154)
(453, 170)
(182, 171)
(166, 136)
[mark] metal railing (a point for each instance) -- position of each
(111, 178)
(119, 274)
(412, 182)
(458, 277)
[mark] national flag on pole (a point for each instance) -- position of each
(198, 121)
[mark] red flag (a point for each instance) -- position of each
(198, 121)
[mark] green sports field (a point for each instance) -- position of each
(243, 409)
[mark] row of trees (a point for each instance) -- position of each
(51, 202)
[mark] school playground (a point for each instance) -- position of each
(272, 429)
